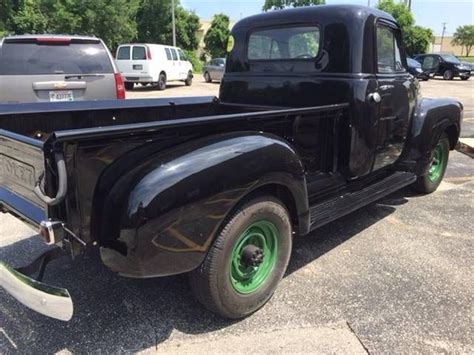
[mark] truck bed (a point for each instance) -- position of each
(99, 137)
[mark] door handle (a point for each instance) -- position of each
(374, 97)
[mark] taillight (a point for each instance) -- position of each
(119, 87)
(53, 40)
(148, 53)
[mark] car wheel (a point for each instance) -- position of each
(128, 85)
(207, 77)
(448, 75)
(161, 82)
(465, 78)
(189, 79)
(247, 260)
(439, 160)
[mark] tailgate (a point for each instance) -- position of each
(21, 164)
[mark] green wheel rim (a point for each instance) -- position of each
(248, 278)
(436, 167)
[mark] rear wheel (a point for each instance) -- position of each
(189, 79)
(448, 75)
(439, 160)
(207, 77)
(161, 82)
(247, 260)
(128, 85)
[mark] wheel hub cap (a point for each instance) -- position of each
(253, 256)
(437, 162)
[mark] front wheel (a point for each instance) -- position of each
(207, 77)
(439, 160)
(465, 78)
(189, 79)
(247, 260)
(448, 75)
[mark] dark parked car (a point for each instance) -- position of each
(214, 70)
(317, 116)
(445, 65)
(414, 68)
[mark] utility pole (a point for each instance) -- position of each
(368, 2)
(442, 35)
(409, 5)
(173, 24)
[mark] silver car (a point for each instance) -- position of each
(57, 68)
(214, 70)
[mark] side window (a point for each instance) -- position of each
(174, 54)
(284, 43)
(389, 58)
(138, 53)
(123, 53)
(182, 56)
(168, 54)
(428, 62)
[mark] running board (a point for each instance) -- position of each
(339, 206)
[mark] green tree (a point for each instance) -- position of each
(154, 24)
(281, 4)
(217, 36)
(415, 38)
(113, 21)
(464, 37)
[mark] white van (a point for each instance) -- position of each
(154, 64)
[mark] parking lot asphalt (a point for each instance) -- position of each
(395, 276)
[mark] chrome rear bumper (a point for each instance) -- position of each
(51, 301)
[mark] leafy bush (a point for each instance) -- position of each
(196, 63)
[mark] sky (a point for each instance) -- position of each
(427, 13)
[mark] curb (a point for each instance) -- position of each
(466, 146)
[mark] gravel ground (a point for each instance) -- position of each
(395, 276)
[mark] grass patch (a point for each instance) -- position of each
(467, 59)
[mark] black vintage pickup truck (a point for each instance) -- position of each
(317, 116)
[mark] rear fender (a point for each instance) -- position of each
(175, 203)
(431, 118)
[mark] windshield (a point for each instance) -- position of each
(30, 58)
(413, 63)
(450, 58)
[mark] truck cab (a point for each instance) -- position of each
(316, 117)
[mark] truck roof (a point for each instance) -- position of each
(34, 36)
(339, 13)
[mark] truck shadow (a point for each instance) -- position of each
(115, 314)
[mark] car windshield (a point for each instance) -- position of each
(31, 58)
(413, 63)
(450, 58)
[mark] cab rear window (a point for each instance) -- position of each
(284, 43)
(31, 58)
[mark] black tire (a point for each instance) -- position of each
(448, 75)
(161, 82)
(207, 77)
(211, 282)
(189, 79)
(429, 182)
(465, 78)
(129, 85)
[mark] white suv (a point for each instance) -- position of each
(154, 64)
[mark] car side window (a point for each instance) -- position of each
(389, 59)
(428, 62)
(138, 53)
(123, 53)
(182, 56)
(168, 54)
(174, 54)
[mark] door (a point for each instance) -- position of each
(124, 64)
(140, 62)
(174, 68)
(394, 96)
(431, 64)
(183, 65)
